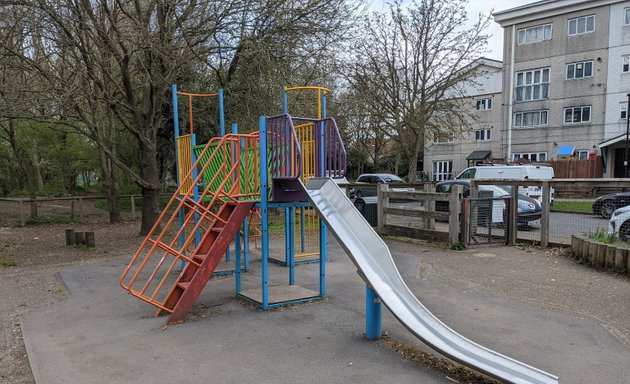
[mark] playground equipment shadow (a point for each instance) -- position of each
(102, 335)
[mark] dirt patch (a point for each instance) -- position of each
(30, 259)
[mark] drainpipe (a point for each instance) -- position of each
(511, 94)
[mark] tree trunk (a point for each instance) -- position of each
(110, 182)
(150, 195)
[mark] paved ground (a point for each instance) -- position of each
(538, 307)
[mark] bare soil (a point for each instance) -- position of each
(39, 253)
(542, 279)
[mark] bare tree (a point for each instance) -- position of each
(411, 63)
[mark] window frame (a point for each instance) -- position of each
(528, 88)
(582, 108)
(591, 62)
(625, 64)
(486, 104)
(450, 138)
(526, 29)
(440, 172)
(485, 132)
(540, 113)
(626, 16)
(579, 153)
(528, 155)
(623, 110)
(577, 23)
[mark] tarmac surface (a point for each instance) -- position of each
(101, 334)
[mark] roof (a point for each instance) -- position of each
(479, 155)
(544, 9)
(566, 150)
(613, 140)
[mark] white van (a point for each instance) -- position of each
(513, 172)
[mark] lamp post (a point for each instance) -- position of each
(625, 163)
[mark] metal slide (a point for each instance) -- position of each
(374, 261)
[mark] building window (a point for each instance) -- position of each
(579, 70)
(581, 25)
(582, 154)
(484, 104)
(532, 85)
(623, 108)
(442, 170)
(534, 34)
(482, 134)
(626, 16)
(626, 64)
(531, 156)
(531, 119)
(577, 115)
(442, 138)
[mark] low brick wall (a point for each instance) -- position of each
(603, 256)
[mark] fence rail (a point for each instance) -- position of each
(32, 202)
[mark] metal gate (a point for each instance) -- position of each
(485, 219)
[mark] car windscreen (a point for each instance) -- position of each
(392, 180)
(496, 191)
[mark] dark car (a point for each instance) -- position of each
(607, 204)
(528, 210)
(376, 178)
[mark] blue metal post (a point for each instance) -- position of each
(237, 261)
(193, 142)
(246, 243)
(323, 232)
(373, 315)
(291, 240)
(182, 238)
(302, 228)
(264, 221)
(285, 102)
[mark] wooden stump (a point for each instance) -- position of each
(592, 252)
(586, 246)
(600, 258)
(90, 240)
(576, 246)
(79, 238)
(70, 237)
(621, 260)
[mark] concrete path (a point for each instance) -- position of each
(103, 335)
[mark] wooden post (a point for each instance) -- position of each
(34, 213)
(133, 207)
(621, 260)
(513, 216)
(70, 237)
(429, 204)
(381, 202)
(79, 238)
(22, 218)
(454, 214)
(544, 220)
(609, 261)
(90, 239)
(80, 209)
(72, 209)
(473, 212)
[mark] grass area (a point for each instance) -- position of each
(572, 206)
(603, 236)
(6, 261)
(43, 220)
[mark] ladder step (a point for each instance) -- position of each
(183, 284)
(217, 229)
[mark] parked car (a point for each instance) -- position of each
(513, 172)
(607, 204)
(376, 178)
(528, 210)
(619, 223)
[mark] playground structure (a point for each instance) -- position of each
(235, 173)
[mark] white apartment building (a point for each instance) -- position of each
(566, 80)
(447, 155)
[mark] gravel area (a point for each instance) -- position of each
(541, 279)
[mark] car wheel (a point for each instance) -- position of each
(624, 231)
(359, 194)
(607, 210)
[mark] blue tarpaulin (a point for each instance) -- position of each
(566, 150)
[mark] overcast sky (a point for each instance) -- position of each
(482, 6)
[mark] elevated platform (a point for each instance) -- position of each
(281, 295)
